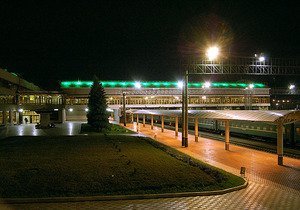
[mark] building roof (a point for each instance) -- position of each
(269, 116)
(155, 84)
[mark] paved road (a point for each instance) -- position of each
(67, 128)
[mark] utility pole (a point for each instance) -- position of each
(186, 108)
(185, 124)
(124, 109)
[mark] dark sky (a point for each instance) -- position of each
(48, 41)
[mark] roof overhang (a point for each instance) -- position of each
(268, 116)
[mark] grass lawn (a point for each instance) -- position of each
(96, 165)
(113, 129)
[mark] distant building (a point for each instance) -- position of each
(20, 99)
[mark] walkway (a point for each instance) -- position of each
(270, 186)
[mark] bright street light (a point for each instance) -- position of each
(180, 84)
(212, 53)
(137, 84)
(207, 85)
(261, 58)
(291, 87)
(251, 86)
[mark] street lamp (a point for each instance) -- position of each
(137, 84)
(124, 108)
(207, 85)
(212, 53)
(180, 84)
(291, 87)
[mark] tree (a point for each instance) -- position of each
(97, 114)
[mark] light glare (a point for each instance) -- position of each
(180, 84)
(261, 58)
(137, 84)
(292, 87)
(207, 84)
(212, 53)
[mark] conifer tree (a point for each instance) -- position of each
(97, 114)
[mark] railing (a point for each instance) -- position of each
(243, 65)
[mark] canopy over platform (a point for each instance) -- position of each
(269, 116)
(278, 117)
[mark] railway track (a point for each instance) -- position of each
(248, 143)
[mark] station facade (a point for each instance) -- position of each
(20, 99)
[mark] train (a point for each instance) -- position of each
(258, 131)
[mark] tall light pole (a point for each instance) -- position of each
(186, 120)
(185, 123)
(124, 108)
(212, 54)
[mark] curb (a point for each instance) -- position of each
(119, 197)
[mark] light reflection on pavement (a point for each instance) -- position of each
(62, 129)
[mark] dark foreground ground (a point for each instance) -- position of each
(48, 166)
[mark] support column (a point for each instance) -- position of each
(227, 135)
(183, 117)
(144, 120)
(162, 123)
(4, 117)
(280, 142)
(196, 129)
(112, 116)
(10, 117)
(137, 118)
(17, 117)
(176, 126)
(132, 118)
(151, 122)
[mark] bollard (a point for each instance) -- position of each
(243, 170)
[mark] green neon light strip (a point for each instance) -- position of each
(66, 84)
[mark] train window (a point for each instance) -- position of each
(271, 128)
(265, 128)
(298, 131)
(258, 127)
(252, 126)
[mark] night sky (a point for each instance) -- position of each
(48, 41)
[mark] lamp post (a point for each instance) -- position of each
(124, 108)
(185, 124)
(212, 54)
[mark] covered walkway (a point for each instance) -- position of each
(279, 118)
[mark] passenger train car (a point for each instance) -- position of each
(252, 130)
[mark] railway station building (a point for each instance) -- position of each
(20, 99)
(24, 102)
